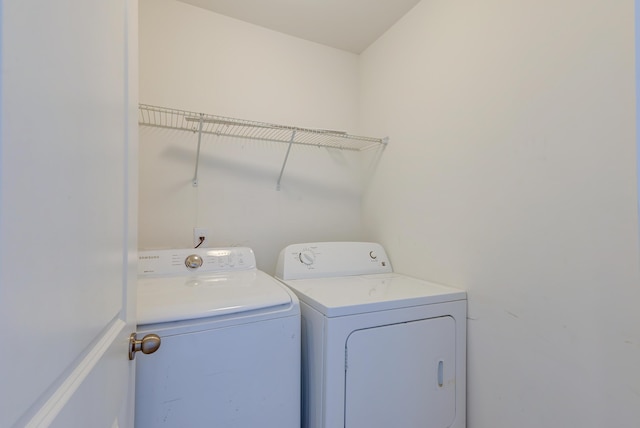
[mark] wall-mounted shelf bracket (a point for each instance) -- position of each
(286, 157)
(195, 174)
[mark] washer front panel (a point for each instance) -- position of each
(342, 296)
(244, 375)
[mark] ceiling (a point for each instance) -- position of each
(350, 25)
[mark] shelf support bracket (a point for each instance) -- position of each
(195, 174)
(286, 157)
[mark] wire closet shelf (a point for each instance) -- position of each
(201, 123)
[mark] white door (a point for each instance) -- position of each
(402, 375)
(68, 141)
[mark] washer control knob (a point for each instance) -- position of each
(307, 257)
(193, 261)
(373, 255)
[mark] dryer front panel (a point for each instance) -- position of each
(402, 375)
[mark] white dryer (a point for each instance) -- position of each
(379, 349)
(230, 351)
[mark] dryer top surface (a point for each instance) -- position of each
(349, 295)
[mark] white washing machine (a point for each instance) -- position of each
(379, 349)
(230, 350)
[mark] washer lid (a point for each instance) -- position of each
(164, 299)
(348, 295)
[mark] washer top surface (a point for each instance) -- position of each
(227, 282)
(350, 295)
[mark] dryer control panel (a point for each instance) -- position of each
(327, 259)
(195, 260)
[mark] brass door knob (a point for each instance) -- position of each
(148, 345)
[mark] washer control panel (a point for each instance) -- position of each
(325, 259)
(198, 260)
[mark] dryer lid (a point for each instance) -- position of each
(349, 295)
(165, 299)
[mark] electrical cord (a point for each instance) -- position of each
(201, 238)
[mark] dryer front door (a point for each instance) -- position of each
(401, 375)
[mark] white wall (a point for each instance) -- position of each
(197, 60)
(511, 173)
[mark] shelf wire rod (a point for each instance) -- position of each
(174, 119)
(153, 117)
(314, 139)
(286, 157)
(274, 135)
(195, 175)
(269, 134)
(247, 131)
(252, 131)
(279, 134)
